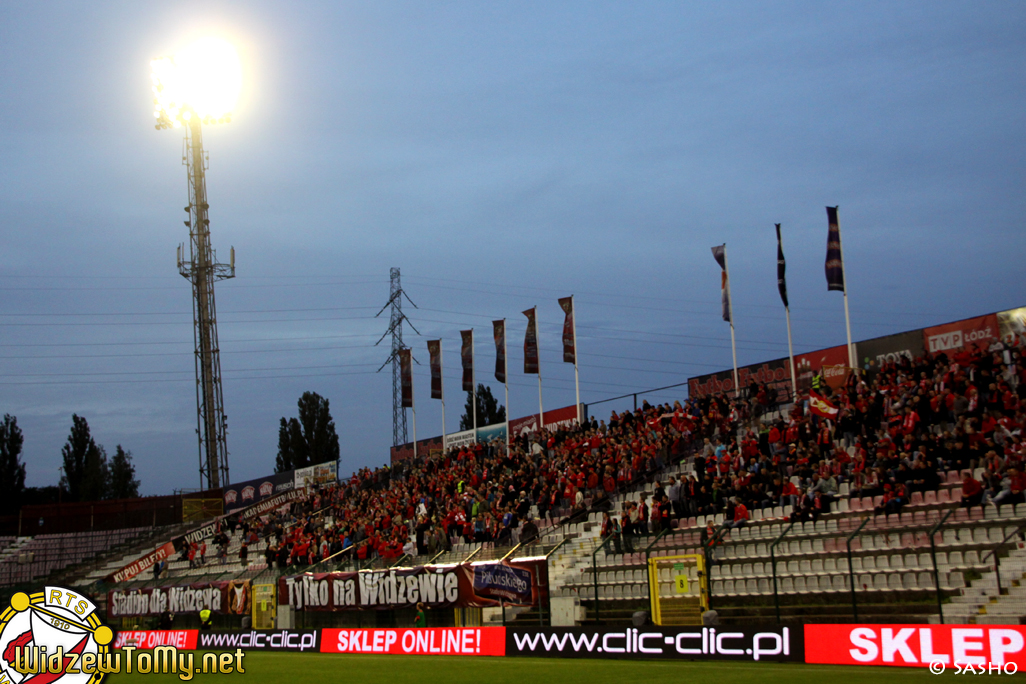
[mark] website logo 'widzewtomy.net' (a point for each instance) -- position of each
(55, 635)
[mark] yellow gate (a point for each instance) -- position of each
(679, 587)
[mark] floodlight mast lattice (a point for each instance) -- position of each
(202, 270)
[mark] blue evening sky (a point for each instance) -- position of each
(502, 155)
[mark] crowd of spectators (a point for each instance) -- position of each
(899, 426)
(480, 492)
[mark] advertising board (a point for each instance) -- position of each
(969, 333)
(469, 584)
(916, 645)
(297, 640)
(241, 494)
(872, 354)
(691, 643)
(451, 641)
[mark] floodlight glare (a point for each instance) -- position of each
(197, 86)
(202, 80)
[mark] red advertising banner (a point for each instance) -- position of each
(986, 646)
(561, 417)
(226, 597)
(182, 639)
(970, 333)
(569, 342)
(470, 584)
(775, 373)
(831, 362)
(453, 641)
(141, 564)
(425, 447)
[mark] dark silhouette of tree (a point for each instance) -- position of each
(123, 484)
(489, 411)
(12, 470)
(309, 439)
(86, 476)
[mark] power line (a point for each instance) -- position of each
(701, 302)
(163, 380)
(133, 344)
(169, 372)
(234, 286)
(189, 313)
(119, 324)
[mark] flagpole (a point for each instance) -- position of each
(505, 374)
(473, 380)
(730, 309)
(577, 377)
(790, 356)
(847, 316)
(787, 312)
(413, 406)
(441, 380)
(537, 337)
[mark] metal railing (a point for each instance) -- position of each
(594, 575)
(709, 550)
(548, 588)
(773, 561)
(997, 559)
(851, 567)
(648, 548)
(933, 558)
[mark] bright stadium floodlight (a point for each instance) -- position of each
(203, 81)
(197, 86)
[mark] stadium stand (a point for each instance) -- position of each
(915, 490)
(26, 559)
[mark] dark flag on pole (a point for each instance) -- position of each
(569, 343)
(531, 343)
(406, 376)
(781, 269)
(720, 254)
(467, 356)
(499, 332)
(435, 352)
(834, 263)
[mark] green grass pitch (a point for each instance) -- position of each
(317, 668)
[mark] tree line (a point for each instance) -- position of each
(311, 438)
(87, 473)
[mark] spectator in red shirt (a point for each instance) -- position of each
(740, 515)
(972, 491)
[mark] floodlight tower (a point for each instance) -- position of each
(193, 88)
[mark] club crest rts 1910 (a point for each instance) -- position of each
(52, 635)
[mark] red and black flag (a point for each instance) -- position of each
(435, 352)
(569, 343)
(531, 342)
(781, 269)
(720, 254)
(406, 376)
(499, 332)
(834, 262)
(467, 356)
